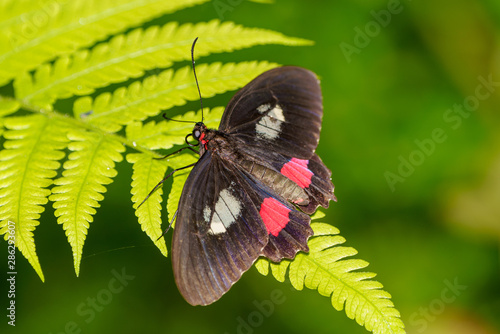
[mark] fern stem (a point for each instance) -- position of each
(80, 124)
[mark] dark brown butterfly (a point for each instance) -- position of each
(256, 182)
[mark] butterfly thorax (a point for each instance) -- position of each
(215, 141)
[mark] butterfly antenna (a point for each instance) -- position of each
(195, 78)
(176, 120)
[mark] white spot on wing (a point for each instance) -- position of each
(277, 113)
(263, 108)
(217, 226)
(206, 214)
(269, 127)
(227, 210)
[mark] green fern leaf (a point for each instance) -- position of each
(325, 269)
(146, 175)
(90, 166)
(28, 163)
(164, 135)
(128, 56)
(69, 25)
(145, 99)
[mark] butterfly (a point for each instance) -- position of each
(254, 186)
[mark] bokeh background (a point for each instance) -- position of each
(417, 181)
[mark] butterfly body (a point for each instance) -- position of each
(255, 183)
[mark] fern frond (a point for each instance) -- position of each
(140, 100)
(89, 168)
(28, 163)
(325, 268)
(70, 25)
(164, 135)
(128, 56)
(147, 172)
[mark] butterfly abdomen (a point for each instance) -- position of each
(282, 185)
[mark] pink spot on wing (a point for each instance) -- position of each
(297, 171)
(274, 214)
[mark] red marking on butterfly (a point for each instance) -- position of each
(297, 171)
(274, 214)
(202, 140)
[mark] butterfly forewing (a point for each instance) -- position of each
(218, 233)
(281, 109)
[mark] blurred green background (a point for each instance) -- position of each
(417, 181)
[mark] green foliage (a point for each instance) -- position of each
(128, 56)
(88, 169)
(325, 269)
(69, 158)
(143, 99)
(23, 51)
(28, 163)
(147, 173)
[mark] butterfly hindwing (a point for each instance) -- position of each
(309, 184)
(288, 228)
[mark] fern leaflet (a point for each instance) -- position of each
(28, 163)
(128, 56)
(164, 134)
(147, 173)
(325, 269)
(145, 99)
(90, 166)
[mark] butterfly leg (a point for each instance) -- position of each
(161, 182)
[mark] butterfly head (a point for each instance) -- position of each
(198, 131)
(200, 134)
